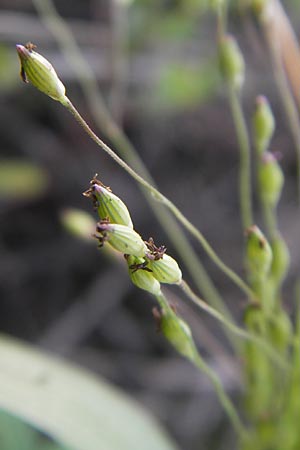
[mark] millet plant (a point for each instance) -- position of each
(268, 343)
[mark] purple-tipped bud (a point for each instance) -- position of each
(121, 238)
(40, 73)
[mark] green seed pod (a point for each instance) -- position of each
(121, 238)
(109, 205)
(263, 124)
(258, 255)
(141, 277)
(36, 69)
(178, 333)
(281, 259)
(78, 223)
(270, 179)
(232, 63)
(166, 269)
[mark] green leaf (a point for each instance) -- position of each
(17, 435)
(74, 407)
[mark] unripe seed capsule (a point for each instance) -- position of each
(142, 278)
(232, 63)
(166, 270)
(258, 257)
(108, 205)
(270, 179)
(41, 74)
(121, 238)
(263, 124)
(178, 333)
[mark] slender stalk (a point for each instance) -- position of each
(270, 220)
(240, 332)
(224, 399)
(164, 200)
(245, 164)
(88, 82)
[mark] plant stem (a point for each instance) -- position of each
(270, 220)
(88, 82)
(214, 379)
(223, 397)
(240, 332)
(162, 199)
(245, 164)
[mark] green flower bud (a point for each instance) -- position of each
(281, 259)
(121, 238)
(141, 277)
(178, 333)
(270, 179)
(263, 124)
(108, 205)
(78, 222)
(231, 62)
(258, 256)
(166, 270)
(36, 69)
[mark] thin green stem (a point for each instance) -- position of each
(242, 135)
(245, 163)
(223, 397)
(163, 200)
(88, 82)
(197, 360)
(237, 331)
(270, 220)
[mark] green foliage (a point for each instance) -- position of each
(72, 406)
(17, 435)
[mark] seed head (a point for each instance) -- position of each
(232, 63)
(166, 270)
(108, 204)
(39, 72)
(178, 333)
(142, 277)
(258, 253)
(270, 179)
(121, 238)
(263, 124)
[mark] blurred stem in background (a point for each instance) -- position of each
(178, 333)
(283, 48)
(232, 67)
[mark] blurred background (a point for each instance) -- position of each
(151, 68)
